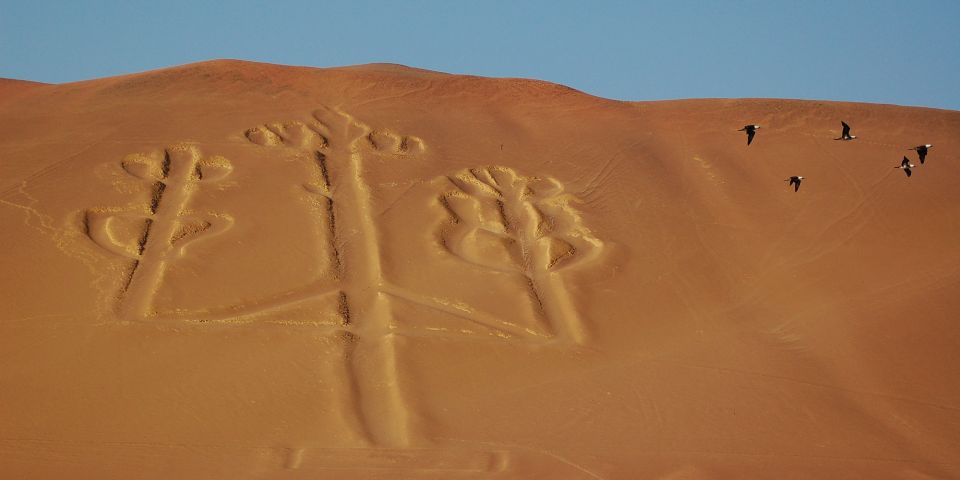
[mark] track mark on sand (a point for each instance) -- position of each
(86, 458)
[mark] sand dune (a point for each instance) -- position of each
(241, 270)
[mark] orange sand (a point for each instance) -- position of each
(238, 270)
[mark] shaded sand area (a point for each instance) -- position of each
(239, 270)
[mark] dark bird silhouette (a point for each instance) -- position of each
(795, 181)
(751, 131)
(906, 166)
(845, 134)
(922, 151)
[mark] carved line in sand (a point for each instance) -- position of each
(336, 143)
(159, 232)
(521, 226)
(536, 226)
(540, 235)
(311, 137)
(453, 461)
(558, 242)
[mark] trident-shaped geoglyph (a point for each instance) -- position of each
(157, 233)
(500, 220)
(337, 145)
(522, 226)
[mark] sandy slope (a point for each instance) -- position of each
(239, 270)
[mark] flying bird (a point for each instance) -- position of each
(845, 134)
(906, 166)
(922, 151)
(795, 181)
(751, 131)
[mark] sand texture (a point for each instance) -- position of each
(237, 270)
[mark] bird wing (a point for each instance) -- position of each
(922, 154)
(905, 162)
(796, 186)
(846, 129)
(908, 171)
(750, 134)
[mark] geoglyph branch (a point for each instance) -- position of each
(521, 225)
(162, 230)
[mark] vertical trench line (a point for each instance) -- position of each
(372, 359)
(321, 163)
(553, 302)
(523, 228)
(347, 338)
(343, 308)
(179, 185)
(332, 222)
(353, 392)
(558, 307)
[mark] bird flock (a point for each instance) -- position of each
(794, 181)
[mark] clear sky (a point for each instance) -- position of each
(903, 52)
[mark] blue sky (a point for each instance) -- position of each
(902, 52)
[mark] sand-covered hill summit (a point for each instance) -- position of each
(241, 270)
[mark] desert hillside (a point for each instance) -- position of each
(241, 270)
